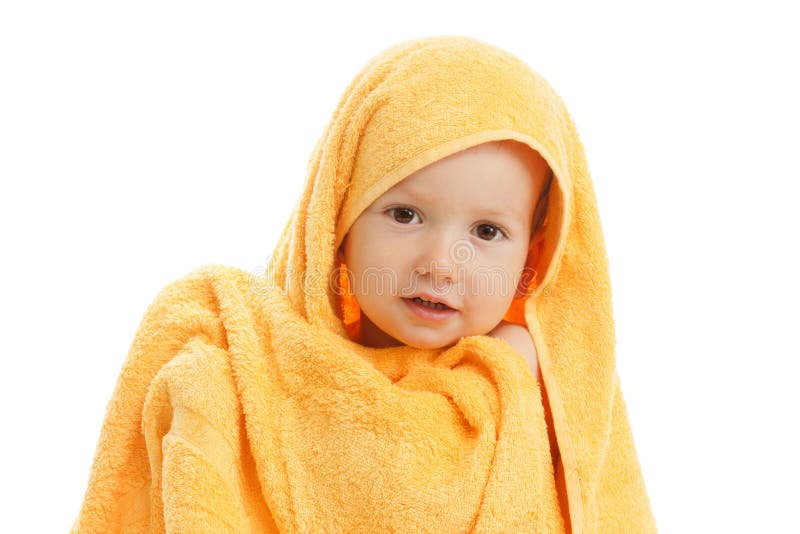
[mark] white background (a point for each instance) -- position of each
(141, 140)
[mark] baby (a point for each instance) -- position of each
(448, 173)
(457, 235)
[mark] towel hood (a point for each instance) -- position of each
(417, 102)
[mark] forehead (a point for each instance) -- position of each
(494, 176)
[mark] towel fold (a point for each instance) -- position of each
(245, 406)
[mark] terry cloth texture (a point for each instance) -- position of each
(245, 406)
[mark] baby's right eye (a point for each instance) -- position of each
(402, 215)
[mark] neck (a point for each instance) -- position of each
(371, 336)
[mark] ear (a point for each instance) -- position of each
(528, 273)
(340, 251)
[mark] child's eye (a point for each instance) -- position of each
(489, 232)
(402, 215)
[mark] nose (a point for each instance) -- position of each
(436, 259)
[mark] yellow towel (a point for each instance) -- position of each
(244, 405)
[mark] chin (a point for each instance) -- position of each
(428, 344)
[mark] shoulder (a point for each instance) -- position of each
(520, 339)
(512, 332)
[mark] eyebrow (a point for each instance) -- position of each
(485, 211)
(492, 212)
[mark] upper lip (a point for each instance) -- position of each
(431, 298)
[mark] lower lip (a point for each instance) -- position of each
(429, 313)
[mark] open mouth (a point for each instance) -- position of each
(431, 311)
(429, 304)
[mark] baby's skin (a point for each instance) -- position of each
(456, 235)
(518, 337)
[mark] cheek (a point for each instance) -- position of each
(493, 279)
(356, 253)
(382, 250)
(515, 262)
(366, 244)
(374, 267)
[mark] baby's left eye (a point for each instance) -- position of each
(402, 214)
(489, 232)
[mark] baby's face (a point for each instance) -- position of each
(456, 232)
